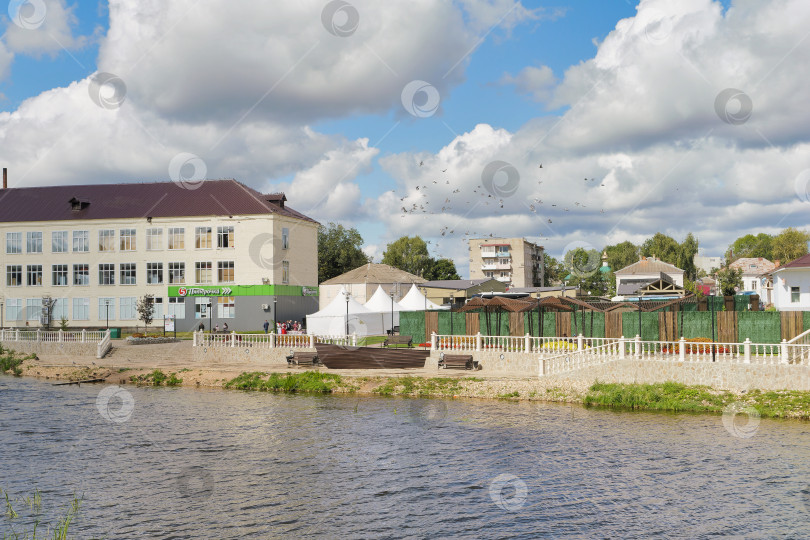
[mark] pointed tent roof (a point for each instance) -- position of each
(374, 273)
(338, 306)
(381, 302)
(416, 301)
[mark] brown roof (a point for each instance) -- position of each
(649, 265)
(753, 265)
(801, 262)
(156, 199)
(374, 273)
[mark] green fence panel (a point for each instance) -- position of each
(806, 319)
(649, 325)
(530, 321)
(457, 328)
(412, 323)
(698, 324)
(741, 302)
(760, 326)
(492, 329)
(549, 324)
(585, 330)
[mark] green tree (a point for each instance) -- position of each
(621, 255)
(339, 250)
(663, 247)
(790, 244)
(409, 254)
(729, 279)
(146, 309)
(686, 256)
(583, 267)
(441, 269)
(554, 271)
(750, 245)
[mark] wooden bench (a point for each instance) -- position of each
(398, 340)
(462, 361)
(300, 358)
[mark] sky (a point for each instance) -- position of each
(573, 124)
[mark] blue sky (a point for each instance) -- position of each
(623, 103)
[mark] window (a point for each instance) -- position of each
(489, 274)
(128, 276)
(285, 271)
(33, 242)
(33, 309)
(81, 241)
(106, 240)
(158, 313)
(60, 310)
(177, 238)
(202, 238)
(106, 311)
(226, 307)
(106, 274)
(14, 242)
(794, 295)
(81, 309)
(225, 237)
(154, 273)
(14, 309)
(154, 239)
(201, 307)
(59, 275)
(225, 271)
(14, 275)
(503, 261)
(177, 308)
(127, 240)
(177, 272)
(34, 275)
(202, 272)
(129, 311)
(285, 238)
(81, 275)
(59, 243)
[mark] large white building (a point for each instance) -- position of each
(97, 249)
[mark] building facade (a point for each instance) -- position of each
(791, 285)
(514, 262)
(650, 275)
(214, 253)
(754, 270)
(362, 282)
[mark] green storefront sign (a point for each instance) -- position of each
(242, 290)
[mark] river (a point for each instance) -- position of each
(204, 463)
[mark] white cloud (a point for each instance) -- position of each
(538, 82)
(54, 34)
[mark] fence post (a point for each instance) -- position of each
(354, 339)
(579, 342)
(747, 350)
(194, 339)
(61, 339)
(273, 341)
(638, 345)
(478, 341)
(17, 335)
(433, 341)
(39, 335)
(621, 347)
(682, 349)
(233, 338)
(527, 343)
(783, 351)
(311, 341)
(84, 335)
(542, 367)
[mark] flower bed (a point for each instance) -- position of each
(140, 339)
(699, 345)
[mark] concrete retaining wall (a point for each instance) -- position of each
(244, 355)
(66, 348)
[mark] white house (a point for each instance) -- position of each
(753, 271)
(653, 275)
(791, 285)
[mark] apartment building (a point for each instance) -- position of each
(214, 252)
(514, 262)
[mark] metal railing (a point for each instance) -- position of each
(269, 341)
(104, 345)
(52, 336)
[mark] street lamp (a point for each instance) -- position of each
(424, 293)
(711, 301)
(210, 313)
(275, 314)
(392, 313)
(452, 301)
(1, 314)
(107, 304)
(347, 312)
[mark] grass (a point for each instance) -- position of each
(308, 382)
(157, 378)
(419, 386)
(34, 504)
(668, 396)
(510, 395)
(11, 361)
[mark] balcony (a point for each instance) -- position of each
(496, 255)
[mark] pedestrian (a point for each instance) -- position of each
(216, 327)
(201, 327)
(224, 327)
(266, 326)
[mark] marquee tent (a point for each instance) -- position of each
(382, 303)
(331, 320)
(416, 301)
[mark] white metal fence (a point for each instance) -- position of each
(52, 336)
(269, 341)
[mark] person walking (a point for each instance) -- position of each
(266, 326)
(224, 327)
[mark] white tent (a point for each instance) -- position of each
(382, 303)
(416, 301)
(331, 320)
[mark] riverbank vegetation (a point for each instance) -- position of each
(676, 397)
(308, 382)
(29, 516)
(422, 387)
(157, 378)
(11, 361)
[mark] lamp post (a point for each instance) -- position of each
(1, 314)
(452, 301)
(639, 314)
(107, 305)
(275, 314)
(424, 293)
(210, 314)
(347, 312)
(392, 313)
(711, 301)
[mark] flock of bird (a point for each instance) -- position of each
(423, 204)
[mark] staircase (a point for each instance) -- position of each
(123, 354)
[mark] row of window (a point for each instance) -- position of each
(126, 240)
(127, 273)
(30, 309)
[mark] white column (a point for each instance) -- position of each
(478, 341)
(62, 339)
(194, 339)
(311, 341)
(272, 341)
(433, 341)
(682, 349)
(783, 352)
(354, 339)
(527, 343)
(747, 350)
(542, 367)
(233, 338)
(638, 345)
(84, 335)
(579, 342)
(17, 335)
(621, 347)
(39, 335)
